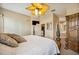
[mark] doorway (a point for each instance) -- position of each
(43, 30)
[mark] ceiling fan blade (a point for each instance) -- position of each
(31, 8)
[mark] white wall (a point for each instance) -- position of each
(16, 23)
(62, 21)
(50, 17)
(1, 21)
(55, 22)
(44, 20)
(1, 24)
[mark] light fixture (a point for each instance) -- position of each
(39, 12)
(36, 12)
(38, 8)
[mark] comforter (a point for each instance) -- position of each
(35, 45)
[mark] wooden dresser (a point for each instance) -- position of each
(72, 32)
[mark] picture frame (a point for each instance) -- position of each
(49, 26)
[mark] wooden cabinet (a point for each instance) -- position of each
(72, 31)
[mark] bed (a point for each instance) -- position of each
(35, 45)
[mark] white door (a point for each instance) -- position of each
(37, 29)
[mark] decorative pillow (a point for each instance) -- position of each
(18, 38)
(4, 39)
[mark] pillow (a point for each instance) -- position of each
(4, 39)
(18, 38)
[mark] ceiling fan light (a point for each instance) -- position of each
(39, 12)
(36, 11)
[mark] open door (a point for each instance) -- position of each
(43, 30)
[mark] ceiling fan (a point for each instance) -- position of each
(38, 8)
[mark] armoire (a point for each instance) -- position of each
(72, 32)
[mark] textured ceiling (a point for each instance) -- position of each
(61, 9)
(17, 7)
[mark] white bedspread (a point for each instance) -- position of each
(35, 45)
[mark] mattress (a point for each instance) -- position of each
(35, 45)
